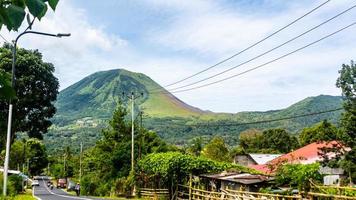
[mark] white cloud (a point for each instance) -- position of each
(199, 34)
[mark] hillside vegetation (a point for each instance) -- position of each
(84, 108)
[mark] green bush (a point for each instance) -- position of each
(298, 175)
(89, 184)
(14, 185)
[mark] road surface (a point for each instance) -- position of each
(42, 192)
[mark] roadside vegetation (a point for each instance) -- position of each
(104, 169)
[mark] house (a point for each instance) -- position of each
(254, 159)
(234, 181)
(306, 155)
(332, 176)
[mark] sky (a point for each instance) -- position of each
(170, 40)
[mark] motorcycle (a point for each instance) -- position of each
(51, 187)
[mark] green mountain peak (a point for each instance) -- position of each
(97, 95)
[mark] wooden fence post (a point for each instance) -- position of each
(190, 186)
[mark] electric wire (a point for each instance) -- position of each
(4, 38)
(266, 52)
(251, 46)
(262, 121)
(264, 64)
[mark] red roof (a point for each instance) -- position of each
(304, 155)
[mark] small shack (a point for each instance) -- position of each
(235, 181)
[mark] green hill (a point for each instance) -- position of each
(97, 95)
(84, 108)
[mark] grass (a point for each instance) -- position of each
(24, 197)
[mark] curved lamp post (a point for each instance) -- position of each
(9, 121)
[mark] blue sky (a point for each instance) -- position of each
(171, 39)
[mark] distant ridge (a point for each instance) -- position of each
(84, 108)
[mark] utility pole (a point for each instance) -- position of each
(9, 119)
(48, 169)
(28, 166)
(141, 115)
(142, 136)
(80, 162)
(64, 165)
(133, 97)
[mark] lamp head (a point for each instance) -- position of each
(63, 34)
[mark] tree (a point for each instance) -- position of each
(238, 150)
(12, 13)
(36, 90)
(108, 164)
(37, 156)
(18, 154)
(6, 91)
(216, 149)
(298, 175)
(323, 131)
(346, 159)
(196, 146)
(279, 140)
(269, 141)
(250, 140)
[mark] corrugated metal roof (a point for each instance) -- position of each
(238, 178)
(263, 158)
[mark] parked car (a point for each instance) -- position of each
(35, 183)
(71, 186)
(62, 183)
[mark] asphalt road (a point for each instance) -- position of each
(42, 192)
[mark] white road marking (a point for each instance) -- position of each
(33, 194)
(73, 197)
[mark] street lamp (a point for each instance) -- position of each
(9, 121)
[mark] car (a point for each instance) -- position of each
(62, 183)
(71, 186)
(35, 183)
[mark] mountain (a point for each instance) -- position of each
(84, 108)
(97, 95)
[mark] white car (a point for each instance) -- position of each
(35, 183)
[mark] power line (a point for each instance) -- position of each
(264, 121)
(4, 38)
(251, 46)
(269, 51)
(264, 64)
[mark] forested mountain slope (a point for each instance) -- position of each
(84, 108)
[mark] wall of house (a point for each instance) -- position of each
(244, 160)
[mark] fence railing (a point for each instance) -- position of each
(333, 191)
(148, 193)
(184, 192)
(190, 193)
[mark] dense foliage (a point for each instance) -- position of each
(167, 169)
(6, 91)
(29, 155)
(298, 175)
(108, 164)
(14, 186)
(13, 12)
(268, 141)
(85, 107)
(217, 150)
(323, 131)
(36, 90)
(347, 83)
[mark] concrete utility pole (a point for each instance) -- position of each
(9, 120)
(80, 162)
(133, 97)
